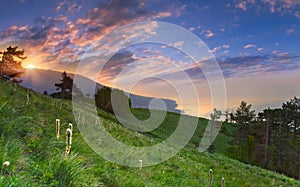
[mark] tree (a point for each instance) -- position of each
(232, 117)
(214, 117)
(227, 115)
(292, 121)
(66, 88)
(243, 116)
(292, 114)
(267, 118)
(272, 140)
(66, 84)
(8, 65)
(103, 99)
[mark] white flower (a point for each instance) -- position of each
(71, 126)
(6, 163)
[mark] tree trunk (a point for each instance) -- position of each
(279, 146)
(266, 143)
(295, 132)
(243, 134)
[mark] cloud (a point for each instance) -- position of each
(69, 6)
(162, 15)
(102, 19)
(242, 5)
(55, 42)
(192, 29)
(249, 46)
(290, 31)
(260, 64)
(214, 50)
(208, 34)
(260, 49)
(115, 65)
(274, 6)
(283, 54)
(225, 46)
(244, 66)
(177, 44)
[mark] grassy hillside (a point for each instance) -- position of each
(28, 142)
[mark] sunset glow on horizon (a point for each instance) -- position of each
(30, 66)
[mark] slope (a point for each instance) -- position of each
(28, 142)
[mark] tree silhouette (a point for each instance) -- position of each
(243, 116)
(66, 88)
(103, 99)
(272, 139)
(214, 117)
(66, 84)
(8, 65)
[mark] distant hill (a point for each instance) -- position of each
(42, 80)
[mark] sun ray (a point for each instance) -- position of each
(30, 66)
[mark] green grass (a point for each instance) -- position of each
(28, 141)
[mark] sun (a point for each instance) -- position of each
(30, 66)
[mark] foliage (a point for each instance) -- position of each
(214, 123)
(103, 99)
(243, 116)
(66, 88)
(216, 115)
(8, 65)
(272, 140)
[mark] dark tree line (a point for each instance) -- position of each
(271, 139)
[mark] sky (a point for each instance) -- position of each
(254, 42)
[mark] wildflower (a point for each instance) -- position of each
(6, 163)
(68, 141)
(223, 182)
(141, 164)
(69, 137)
(71, 126)
(210, 177)
(57, 128)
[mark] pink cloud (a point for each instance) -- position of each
(275, 6)
(162, 15)
(215, 49)
(23, 28)
(68, 6)
(192, 29)
(260, 49)
(249, 46)
(242, 5)
(283, 54)
(290, 31)
(226, 46)
(209, 34)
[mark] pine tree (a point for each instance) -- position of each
(8, 65)
(66, 88)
